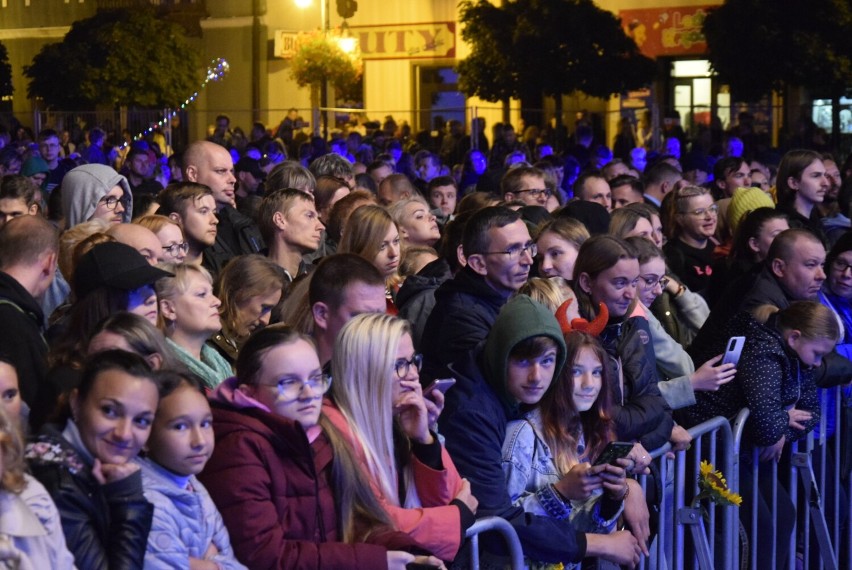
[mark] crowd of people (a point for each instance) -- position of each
(343, 359)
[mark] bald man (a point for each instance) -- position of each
(209, 164)
(139, 238)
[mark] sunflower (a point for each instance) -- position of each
(714, 487)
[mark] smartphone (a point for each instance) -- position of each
(614, 450)
(442, 384)
(734, 349)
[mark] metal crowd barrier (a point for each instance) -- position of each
(501, 526)
(814, 484)
(713, 544)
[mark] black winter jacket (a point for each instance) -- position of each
(465, 310)
(106, 526)
(641, 411)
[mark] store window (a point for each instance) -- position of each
(437, 96)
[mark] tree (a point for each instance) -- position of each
(117, 57)
(757, 46)
(529, 48)
(5, 72)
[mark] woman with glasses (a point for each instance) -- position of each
(282, 476)
(175, 247)
(689, 220)
(679, 378)
(377, 403)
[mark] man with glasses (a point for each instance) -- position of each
(526, 184)
(499, 253)
(95, 191)
(593, 187)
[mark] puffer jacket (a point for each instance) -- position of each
(641, 411)
(185, 523)
(273, 489)
(105, 526)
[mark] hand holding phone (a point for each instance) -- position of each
(613, 451)
(733, 350)
(442, 384)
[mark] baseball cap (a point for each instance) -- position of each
(116, 265)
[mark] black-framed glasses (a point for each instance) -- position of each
(516, 251)
(291, 388)
(175, 248)
(840, 266)
(111, 201)
(651, 282)
(536, 192)
(402, 366)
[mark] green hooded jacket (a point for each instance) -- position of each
(520, 319)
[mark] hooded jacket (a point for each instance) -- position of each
(85, 185)
(474, 420)
(273, 489)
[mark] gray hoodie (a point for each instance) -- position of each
(84, 186)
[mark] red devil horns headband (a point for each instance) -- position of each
(593, 328)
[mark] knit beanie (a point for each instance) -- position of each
(746, 200)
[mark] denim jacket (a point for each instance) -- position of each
(531, 472)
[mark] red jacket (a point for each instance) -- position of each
(272, 488)
(437, 526)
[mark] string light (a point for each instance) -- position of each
(217, 71)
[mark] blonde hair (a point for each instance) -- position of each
(550, 292)
(813, 320)
(172, 287)
(411, 255)
(156, 222)
(364, 233)
(363, 372)
(68, 242)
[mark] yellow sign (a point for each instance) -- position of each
(285, 44)
(407, 41)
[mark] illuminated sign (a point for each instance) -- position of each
(407, 41)
(285, 44)
(667, 31)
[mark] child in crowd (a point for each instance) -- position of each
(187, 530)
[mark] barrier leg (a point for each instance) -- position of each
(801, 462)
(692, 518)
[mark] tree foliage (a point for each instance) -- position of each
(757, 46)
(117, 57)
(5, 72)
(548, 47)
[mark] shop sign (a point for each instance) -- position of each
(407, 41)
(667, 31)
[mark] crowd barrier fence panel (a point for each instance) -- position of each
(501, 526)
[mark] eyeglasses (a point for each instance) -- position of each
(402, 365)
(536, 192)
(651, 282)
(177, 247)
(291, 388)
(840, 266)
(703, 212)
(111, 201)
(516, 251)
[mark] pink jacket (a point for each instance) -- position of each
(436, 525)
